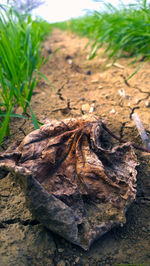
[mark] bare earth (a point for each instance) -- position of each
(81, 86)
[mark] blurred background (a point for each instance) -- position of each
(122, 28)
(61, 10)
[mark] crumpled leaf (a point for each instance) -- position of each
(76, 182)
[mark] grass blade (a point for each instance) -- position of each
(4, 127)
(135, 71)
(34, 120)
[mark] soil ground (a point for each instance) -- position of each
(81, 86)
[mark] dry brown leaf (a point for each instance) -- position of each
(76, 183)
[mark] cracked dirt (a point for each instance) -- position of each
(81, 86)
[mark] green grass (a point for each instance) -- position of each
(122, 31)
(60, 25)
(20, 62)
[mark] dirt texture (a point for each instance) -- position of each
(81, 87)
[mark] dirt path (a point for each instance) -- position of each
(82, 86)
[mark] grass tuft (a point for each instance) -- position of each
(20, 62)
(123, 31)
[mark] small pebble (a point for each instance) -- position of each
(112, 111)
(136, 101)
(85, 108)
(77, 259)
(147, 103)
(60, 250)
(82, 99)
(109, 65)
(48, 49)
(88, 72)
(118, 65)
(100, 87)
(122, 93)
(68, 57)
(92, 108)
(107, 96)
(95, 81)
(70, 61)
(144, 229)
